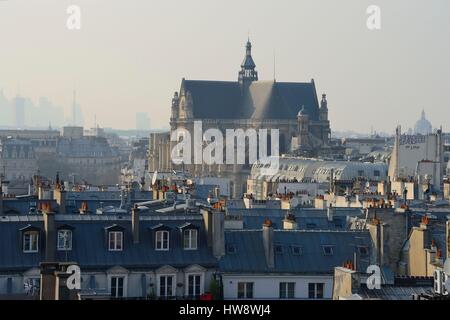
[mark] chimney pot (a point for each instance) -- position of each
(135, 223)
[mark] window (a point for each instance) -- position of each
(166, 286)
(328, 250)
(162, 240)
(190, 239)
(31, 241)
(194, 286)
(115, 240)
(31, 286)
(296, 250)
(117, 287)
(287, 290)
(376, 173)
(64, 240)
(245, 290)
(231, 248)
(315, 290)
(364, 251)
(278, 249)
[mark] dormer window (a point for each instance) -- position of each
(31, 241)
(162, 240)
(115, 240)
(114, 237)
(279, 249)
(231, 248)
(190, 239)
(363, 251)
(327, 250)
(64, 240)
(296, 250)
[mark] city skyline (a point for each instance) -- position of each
(405, 60)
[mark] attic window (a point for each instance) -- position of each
(327, 250)
(364, 251)
(296, 250)
(231, 249)
(279, 249)
(30, 241)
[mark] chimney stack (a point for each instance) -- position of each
(268, 239)
(330, 213)
(218, 234)
(289, 222)
(59, 195)
(50, 233)
(214, 221)
(1, 199)
(135, 223)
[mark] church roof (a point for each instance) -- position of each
(258, 100)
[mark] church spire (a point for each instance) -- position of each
(248, 72)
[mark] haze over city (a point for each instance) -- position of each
(130, 56)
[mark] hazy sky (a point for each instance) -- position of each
(130, 55)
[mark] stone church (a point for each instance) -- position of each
(291, 107)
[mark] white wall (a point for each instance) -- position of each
(267, 286)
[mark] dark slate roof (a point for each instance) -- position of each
(306, 218)
(97, 147)
(22, 205)
(261, 100)
(203, 191)
(250, 258)
(393, 292)
(303, 223)
(90, 246)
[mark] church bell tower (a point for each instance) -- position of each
(247, 74)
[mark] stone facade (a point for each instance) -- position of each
(17, 160)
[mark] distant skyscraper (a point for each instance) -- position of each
(77, 115)
(142, 121)
(19, 109)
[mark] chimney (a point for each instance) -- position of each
(218, 234)
(289, 222)
(1, 199)
(84, 208)
(215, 230)
(59, 195)
(135, 223)
(268, 235)
(447, 233)
(50, 233)
(330, 213)
(48, 280)
(346, 283)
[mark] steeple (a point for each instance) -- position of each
(248, 72)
